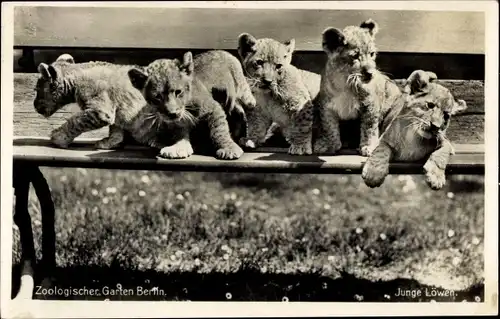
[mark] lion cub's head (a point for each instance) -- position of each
(430, 105)
(52, 93)
(264, 59)
(166, 85)
(353, 49)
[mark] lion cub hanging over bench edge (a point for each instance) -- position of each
(415, 129)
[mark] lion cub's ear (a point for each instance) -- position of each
(66, 58)
(418, 81)
(187, 63)
(458, 106)
(48, 72)
(138, 78)
(246, 44)
(371, 26)
(333, 38)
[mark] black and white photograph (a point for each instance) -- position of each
(253, 158)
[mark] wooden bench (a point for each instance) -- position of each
(140, 35)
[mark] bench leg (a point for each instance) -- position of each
(23, 221)
(23, 176)
(42, 191)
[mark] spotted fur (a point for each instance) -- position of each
(415, 129)
(284, 93)
(103, 92)
(352, 88)
(180, 94)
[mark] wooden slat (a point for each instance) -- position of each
(39, 151)
(398, 64)
(196, 28)
(467, 128)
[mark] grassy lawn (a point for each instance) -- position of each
(219, 236)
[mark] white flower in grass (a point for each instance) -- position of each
(197, 262)
(172, 257)
(111, 190)
(63, 178)
(179, 197)
(145, 179)
(475, 241)
(142, 193)
(265, 249)
(451, 233)
(187, 194)
(450, 195)
(226, 256)
(124, 197)
(316, 191)
(179, 253)
(359, 231)
(224, 247)
(94, 192)
(456, 261)
(331, 258)
(105, 200)
(238, 203)
(326, 206)
(233, 196)
(383, 236)
(97, 181)
(263, 269)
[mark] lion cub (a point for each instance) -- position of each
(415, 129)
(284, 93)
(352, 87)
(103, 92)
(180, 92)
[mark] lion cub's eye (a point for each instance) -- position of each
(446, 115)
(178, 93)
(372, 54)
(354, 54)
(157, 97)
(259, 62)
(431, 105)
(279, 66)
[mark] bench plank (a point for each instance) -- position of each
(438, 31)
(467, 128)
(469, 159)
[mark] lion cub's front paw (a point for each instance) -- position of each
(229, 152)
(434, 176)
(300, 149)
(374, 173)
(60, 138)
(181, 149)
(322, 146)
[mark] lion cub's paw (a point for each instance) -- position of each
(181, 149)
(230, 152)
(324, 146)
(366, 150)
(248, 143)
(434, 176)
(107, 144)
(374, 173)
(300, 149)
(60, 138)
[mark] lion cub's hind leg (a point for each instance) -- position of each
(376, 167)
(114, 140)
(299, 132)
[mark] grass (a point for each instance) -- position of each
(219, 236)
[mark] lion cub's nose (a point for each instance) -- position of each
(174, 115)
